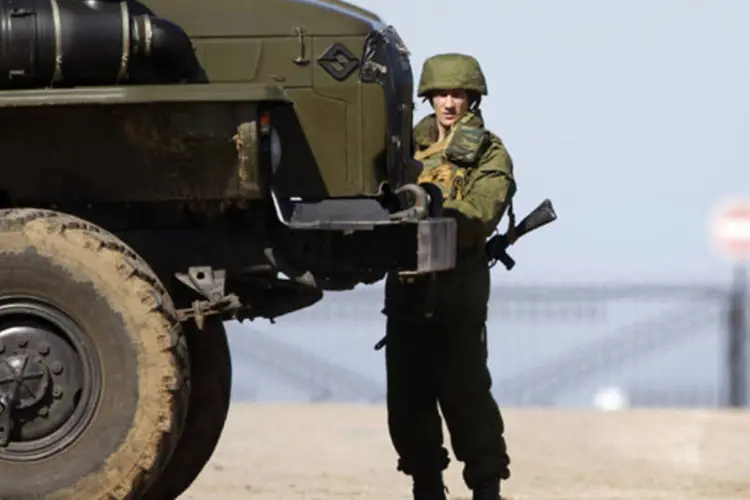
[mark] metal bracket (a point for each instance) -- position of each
(205, 280)
(210, 283)
(419, 210)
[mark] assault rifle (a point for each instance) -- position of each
(497, 245)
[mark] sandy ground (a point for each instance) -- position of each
(306, 452)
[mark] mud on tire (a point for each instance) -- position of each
(105, 381)
(211, 386)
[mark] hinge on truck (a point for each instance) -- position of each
(209, 283)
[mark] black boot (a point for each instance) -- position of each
(487, 490)
(429, 487)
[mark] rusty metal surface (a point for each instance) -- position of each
(137, 152)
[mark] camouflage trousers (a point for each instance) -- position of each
(431, 364)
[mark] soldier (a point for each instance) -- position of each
(436, 350)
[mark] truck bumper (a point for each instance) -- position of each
(435, 246)
(410, 246)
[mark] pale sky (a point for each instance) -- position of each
(631, 116)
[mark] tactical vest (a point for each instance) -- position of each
(439, 170)
(463, 145)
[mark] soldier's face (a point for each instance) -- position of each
(450, 106)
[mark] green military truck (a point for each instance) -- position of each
(168, 166)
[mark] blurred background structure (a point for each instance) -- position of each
(633, 117)
(567, 346)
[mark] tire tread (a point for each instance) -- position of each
(172, 409)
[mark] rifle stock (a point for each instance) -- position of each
(497, 246)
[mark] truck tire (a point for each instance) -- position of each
(210, 394)
(89, 331)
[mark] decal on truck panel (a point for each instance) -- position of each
(338, 61)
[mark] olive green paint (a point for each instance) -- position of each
(265, 52)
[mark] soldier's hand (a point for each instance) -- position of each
(435, 199)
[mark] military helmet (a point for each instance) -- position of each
(451, 71)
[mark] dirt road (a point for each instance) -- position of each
(305, 452)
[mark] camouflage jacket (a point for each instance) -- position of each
(475, 173)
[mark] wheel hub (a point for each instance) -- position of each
(25, 378)
(47, 389)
